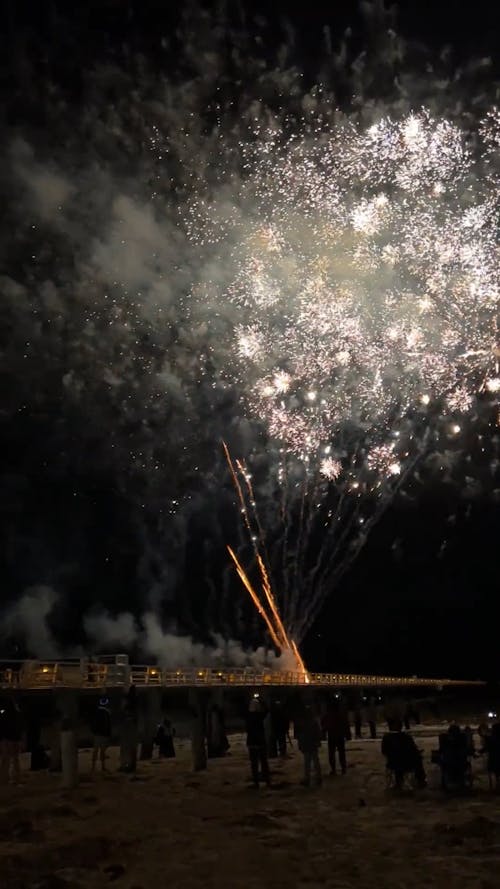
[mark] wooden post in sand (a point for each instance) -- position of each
(217, 743)
(67, 703)
(69, 756)
(55, 746)
(150, 719)
(198, 730)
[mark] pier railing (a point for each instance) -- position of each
(116, 672)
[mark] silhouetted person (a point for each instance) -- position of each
(358, 721)
(280, 724)
(453, 759)
(165, 739)
(345, 713)
(484, 732)
(469, 737)
(309, 738)
(402, 756)
(492, 749)
(335, 725)
(11, 733)
(256, 743)
(371, 717)
(101, 730)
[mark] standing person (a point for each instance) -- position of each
(256, 742)
(165, 739)
(345, 715)
(309, 737)
(484, 732)
(358, 719)
(11, 733)
(334, 723)
(469, 735)
(101, 730)
(280, 726)
(492, 748)
(371, 715)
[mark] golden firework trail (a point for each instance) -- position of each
(254, 597)
(271, 615)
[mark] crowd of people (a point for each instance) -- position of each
(403, 759)
(272, 728)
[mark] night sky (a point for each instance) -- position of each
(87, 481)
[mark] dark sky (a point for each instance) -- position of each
(423, 596)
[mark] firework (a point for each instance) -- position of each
(367, 281)
(367, 294)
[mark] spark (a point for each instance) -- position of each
(282, 382)
(394, 468)
(381, 459)
(460, 399)
(330, 468)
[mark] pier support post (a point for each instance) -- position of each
(198, 731)
(150, 719)
(67, 705)
(217, 743)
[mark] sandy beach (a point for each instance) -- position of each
(170, 826)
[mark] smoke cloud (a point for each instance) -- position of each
(29, 619)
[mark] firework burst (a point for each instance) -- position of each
(368, 279)
(367, 293)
